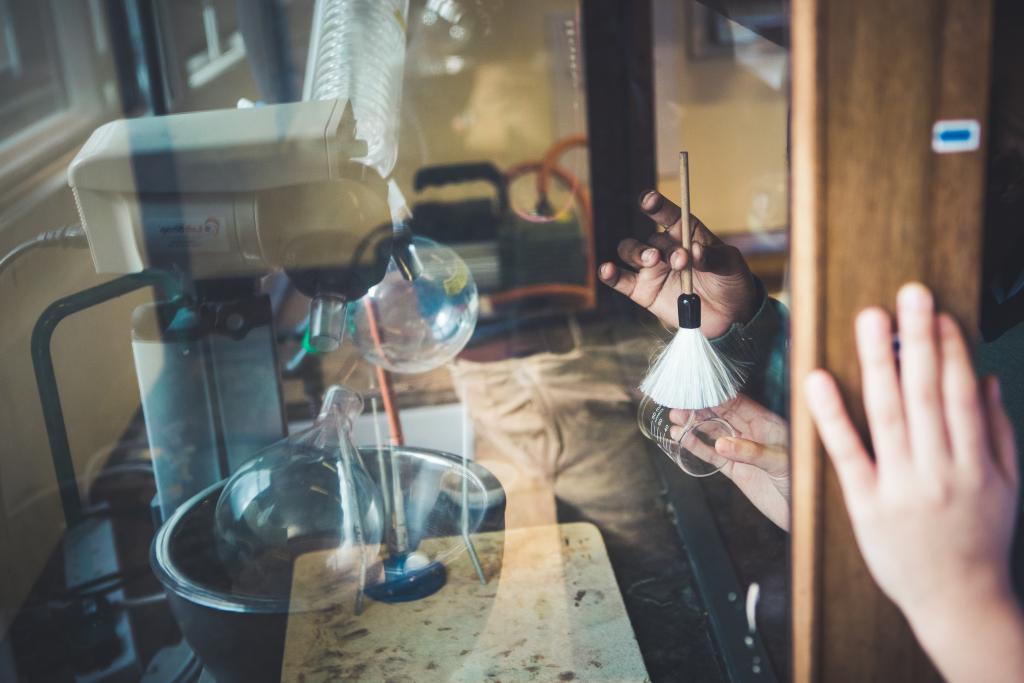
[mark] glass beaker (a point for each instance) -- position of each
(694, 449)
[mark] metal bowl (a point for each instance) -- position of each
(240, 637)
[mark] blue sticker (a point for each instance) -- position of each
(962, 135)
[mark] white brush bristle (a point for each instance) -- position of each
(690, 374)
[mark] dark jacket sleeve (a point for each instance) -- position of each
(762, 347)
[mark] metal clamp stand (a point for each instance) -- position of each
(46, 379)
(470, 548)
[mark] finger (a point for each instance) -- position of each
(719, 259)
(660, 209)
(641, 287)
(650, 282)
(698, 441)
(771, 459)
(882, 398)
(622, 281)
(667, 214)
(700, 256)
(1001, 429)
(853, 465)
(678, 259)
(663, 242)
(671, 253)
(701, 233)
(639, 254)
(961, 401)
(920, 377)
(681, 417)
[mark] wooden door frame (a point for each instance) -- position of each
(926, 60)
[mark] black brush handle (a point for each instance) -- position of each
(689, 311)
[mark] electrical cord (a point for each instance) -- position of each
(99, 586)
(141, 601)
(67, 236)
(113, 601)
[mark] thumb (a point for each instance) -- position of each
(772, 459)
(718, 259)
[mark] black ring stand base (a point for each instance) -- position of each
(401, 585)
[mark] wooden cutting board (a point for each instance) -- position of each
(550, 611)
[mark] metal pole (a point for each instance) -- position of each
(470, 548)
(46, 378)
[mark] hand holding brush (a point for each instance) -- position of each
(690, 373)
(720, 275)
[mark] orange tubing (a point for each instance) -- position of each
(552, 156)
(387, 389)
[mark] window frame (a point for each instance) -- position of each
(92, 93)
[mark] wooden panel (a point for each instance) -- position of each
(873, 207)
(806, 253)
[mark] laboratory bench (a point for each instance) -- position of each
(641, 574)
(683, 551)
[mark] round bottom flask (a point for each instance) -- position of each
(691, 444)
(421, 314)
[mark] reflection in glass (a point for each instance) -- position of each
(494, 153)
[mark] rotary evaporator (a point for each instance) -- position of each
(202, 206)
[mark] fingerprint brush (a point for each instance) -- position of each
(689, 373)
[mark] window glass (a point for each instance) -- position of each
(30, 72)
(342, 379)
